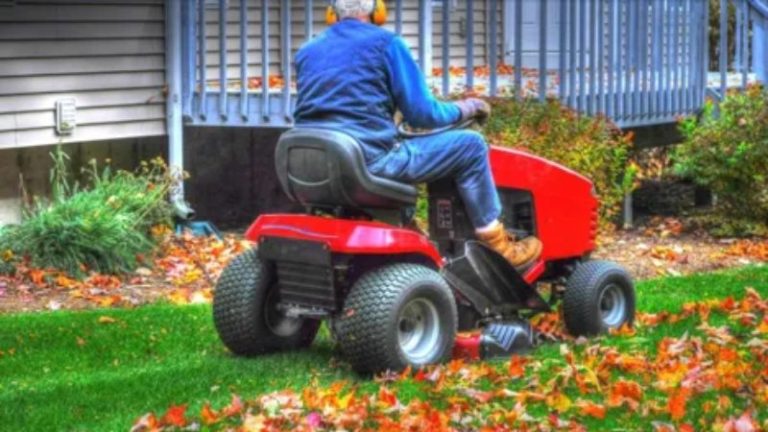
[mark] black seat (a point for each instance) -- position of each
(326, 168)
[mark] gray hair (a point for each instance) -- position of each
(353, 8)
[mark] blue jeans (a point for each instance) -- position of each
(461, 155)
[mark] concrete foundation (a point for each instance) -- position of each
(232, 172)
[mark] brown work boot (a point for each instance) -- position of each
(520, 254)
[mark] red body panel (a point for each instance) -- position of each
(467, 346)
(564, 203)
(565, 211)
(344, 235)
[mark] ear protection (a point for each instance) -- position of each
(378, 15)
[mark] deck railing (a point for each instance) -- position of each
(639, 62)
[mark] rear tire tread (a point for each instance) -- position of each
(364, 325)
(238, 310)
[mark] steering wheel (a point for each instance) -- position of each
(403, 132)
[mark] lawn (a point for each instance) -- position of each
(102, 369)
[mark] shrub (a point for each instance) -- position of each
(727, 151)
(591, 146)
(104, 226)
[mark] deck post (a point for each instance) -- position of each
(629, 217)
(173, 108)
(760, 44)
(425, 37)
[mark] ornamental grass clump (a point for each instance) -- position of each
(592, 146)
(104, 225)
(726, 150)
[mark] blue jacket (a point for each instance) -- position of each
(353, 77)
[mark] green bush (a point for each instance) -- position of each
(104, 226)
(590, 146)
(726, 150)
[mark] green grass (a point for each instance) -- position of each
(68, 371)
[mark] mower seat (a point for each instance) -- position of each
(326, 168)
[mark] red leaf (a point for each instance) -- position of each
(234, 408)
(387, 398)
(420, 376)
(175, 416)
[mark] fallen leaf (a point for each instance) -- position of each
(677, 403)
(516, 367)
(592, 409)
(175, 416)
(146, 423)
(208, 415)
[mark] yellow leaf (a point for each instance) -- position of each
(763, 327)
(106, 319)
(343, 402)
(559, 402)
(7, 255)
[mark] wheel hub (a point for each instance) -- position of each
(418, 330)
(613, 306)
(277, 320)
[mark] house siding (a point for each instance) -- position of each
(107, 55)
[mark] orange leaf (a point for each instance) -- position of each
(208, 415)
(65, 282)
(517, 366)
(763, 327)
(592, 409)
(624, 391)
(677, 403)
(175, 416)
(37, 276)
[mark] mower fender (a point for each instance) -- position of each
(344, 236)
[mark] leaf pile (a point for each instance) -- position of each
(708, 371)
(182, 270)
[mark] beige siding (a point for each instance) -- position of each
(457, 38)
(109, 55)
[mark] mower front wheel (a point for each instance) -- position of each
(245, 311)
(599, 296)
(397, 316)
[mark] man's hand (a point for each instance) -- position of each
(474, 108)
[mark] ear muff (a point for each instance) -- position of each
(378, 16)
(330, 15)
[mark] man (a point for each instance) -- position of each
(355, 75)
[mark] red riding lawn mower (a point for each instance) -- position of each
(395, 297)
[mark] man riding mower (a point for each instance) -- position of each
(394, 297)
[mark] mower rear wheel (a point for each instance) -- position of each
(397, 316)
(245, 311)
(599, 296)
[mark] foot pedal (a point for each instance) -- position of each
(500, 339)
(506, 338)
